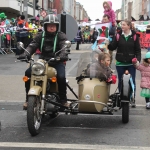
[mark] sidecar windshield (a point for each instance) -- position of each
(85, 60)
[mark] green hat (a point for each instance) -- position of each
(12, 19)
(2, 15)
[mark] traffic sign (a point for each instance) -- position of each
(68, 25)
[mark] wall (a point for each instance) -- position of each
(58, 4)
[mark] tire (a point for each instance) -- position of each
(125, 112)
(33, 115)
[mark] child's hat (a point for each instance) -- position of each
(147, 56)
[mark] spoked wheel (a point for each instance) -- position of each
(33, 115)
(125, 112)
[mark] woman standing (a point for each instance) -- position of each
(127, 44)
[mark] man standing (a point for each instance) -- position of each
(78, 38)
(106, 20)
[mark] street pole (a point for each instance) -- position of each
(25, 9)
(21, 7)
(33, 8)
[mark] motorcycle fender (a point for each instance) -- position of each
(35, 90)
(126, 88)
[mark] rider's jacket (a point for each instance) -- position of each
(48, 44)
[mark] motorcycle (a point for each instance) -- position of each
(93, 95)
(43, 96)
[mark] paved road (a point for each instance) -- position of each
(80, 131)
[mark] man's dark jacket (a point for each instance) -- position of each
(48, 44)
(126, 50)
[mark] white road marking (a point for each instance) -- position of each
(70, 146)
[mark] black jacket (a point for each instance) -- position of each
(48, 44)
(126, 50)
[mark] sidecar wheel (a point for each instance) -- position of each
(33, 115)
(125, 112)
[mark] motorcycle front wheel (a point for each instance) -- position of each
(33, 115)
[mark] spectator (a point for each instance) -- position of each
(78, 38)
(94, 35)
(105, 19)
(22, 32)
(110, 12)
(144, 68)
(128, 47)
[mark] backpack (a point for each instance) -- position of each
(118, 36)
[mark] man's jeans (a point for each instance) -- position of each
(61, 80)
(121, 70)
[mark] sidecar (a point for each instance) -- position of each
(94, 95)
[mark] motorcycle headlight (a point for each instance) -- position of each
(38, 68)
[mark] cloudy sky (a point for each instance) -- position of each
(95, 7)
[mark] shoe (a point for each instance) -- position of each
(148, 105)
(25, 106)
(66, 104)
(133, 105)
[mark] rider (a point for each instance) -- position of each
(51, 37)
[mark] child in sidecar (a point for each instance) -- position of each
(101, 70)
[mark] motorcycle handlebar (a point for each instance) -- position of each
(59, 59)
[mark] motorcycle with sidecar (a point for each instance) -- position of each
(93, 95)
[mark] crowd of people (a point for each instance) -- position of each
(17, 29)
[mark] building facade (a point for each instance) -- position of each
(81, 13)
(135, 8)
(118, 14)
(58, 4)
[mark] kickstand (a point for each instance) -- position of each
(72, 90)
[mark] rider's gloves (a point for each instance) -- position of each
(134, 60)
(63, 57)
(24, 56)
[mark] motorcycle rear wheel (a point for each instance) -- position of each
(34, 117)
(125, 112)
